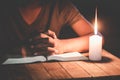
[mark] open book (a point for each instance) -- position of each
(58, 57)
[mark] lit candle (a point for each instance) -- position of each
(95, 44)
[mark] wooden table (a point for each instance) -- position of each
(107, 69)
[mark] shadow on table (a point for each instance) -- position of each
(99, 78)
(104, 60)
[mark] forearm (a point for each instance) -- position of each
(80, 44)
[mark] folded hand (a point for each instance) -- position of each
(46, 44)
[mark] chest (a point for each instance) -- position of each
(30, 15)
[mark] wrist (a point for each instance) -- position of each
(59, 46)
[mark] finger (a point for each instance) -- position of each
(52, 34)
(40, 45)
(52, 50)
(36, 37)
(45, 51)
(41, 51)
(50, 39)
(42, 35)
(40, 41)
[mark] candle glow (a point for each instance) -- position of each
(95, 25)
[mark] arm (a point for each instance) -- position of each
(83, 28)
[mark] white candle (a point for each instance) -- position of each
(95, 44)
(95, 48)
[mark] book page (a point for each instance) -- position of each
(25, 60)
(68, 57)
(59, 57)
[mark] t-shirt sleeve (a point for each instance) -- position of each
(71, 13)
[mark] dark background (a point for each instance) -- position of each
(108, 17)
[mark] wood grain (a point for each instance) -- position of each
(106, 69)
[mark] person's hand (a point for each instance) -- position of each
(47, 44)
(52, 39)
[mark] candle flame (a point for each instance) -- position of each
(95, 25)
